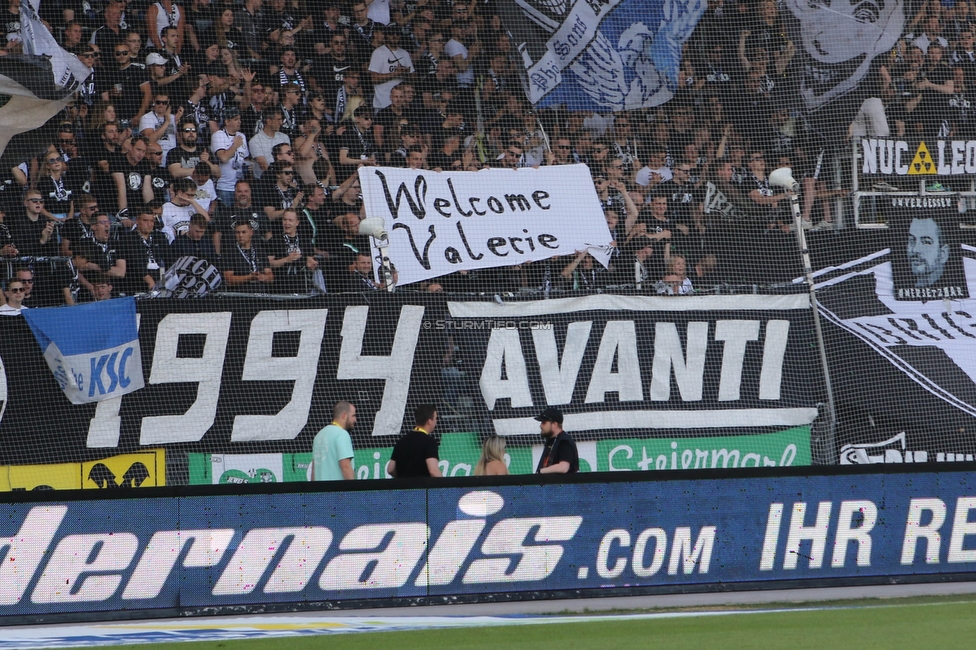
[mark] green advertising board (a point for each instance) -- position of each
(780, 449)
(459, 453)
(210, 469)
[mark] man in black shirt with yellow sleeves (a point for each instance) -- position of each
(415, 454)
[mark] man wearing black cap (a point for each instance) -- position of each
(559, 454)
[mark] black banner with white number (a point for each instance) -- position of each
(251, 375)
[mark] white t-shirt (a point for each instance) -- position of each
(176, 219)
(923, 42)
(166, 19)
(596, 124)
(871, 120)
(452, 48)
(152, 121)
(643, 177)
(232, 170)
(261, 145)
(7, 310)
(667, 289)
(379, 11)
(384, 61)
(206, 194)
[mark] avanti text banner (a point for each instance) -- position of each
(253, 376)
(617, 363)
(443, 222)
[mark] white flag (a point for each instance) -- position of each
(40, 81)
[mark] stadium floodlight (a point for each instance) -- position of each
(783, 177)
(375, 227)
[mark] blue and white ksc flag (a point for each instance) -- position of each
(600, 55)
(93, 350)
(40, 81)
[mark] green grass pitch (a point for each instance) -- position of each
(921, 623)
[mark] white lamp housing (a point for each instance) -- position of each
(783, 177)
(374, 227)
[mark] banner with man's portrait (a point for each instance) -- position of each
(900, 334)
(927, 260)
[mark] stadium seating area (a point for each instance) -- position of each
(233, 132)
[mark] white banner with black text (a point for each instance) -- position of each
(443, 222)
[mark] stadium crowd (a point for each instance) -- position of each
(233, 132)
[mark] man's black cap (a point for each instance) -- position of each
(551, 414)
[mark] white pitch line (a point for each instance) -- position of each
(269, 626)
(253, 627)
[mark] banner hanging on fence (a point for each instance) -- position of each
(94, 354)
(444, 222)
(918, 158)
(903, 319)
(600, 55)
(616, 363)
(247, 376)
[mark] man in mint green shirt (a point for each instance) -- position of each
(332, 449)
